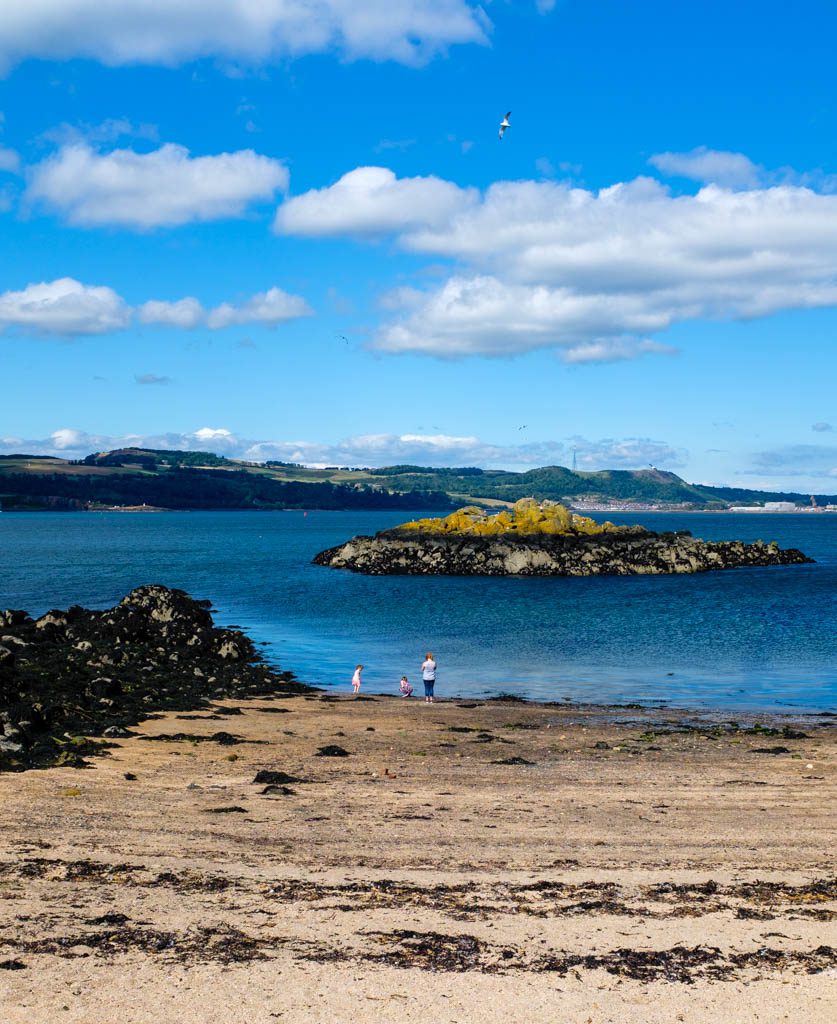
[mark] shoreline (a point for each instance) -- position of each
(445, 862)
(245, 848)
(603, 509)
(707, 713)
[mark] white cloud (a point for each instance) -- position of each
(185, 313)
(9, 160)
(612, 350)
(436, 449)
(171, 32)
(64, 307)
(735, 170)
(67, 307)
(372, 201)
(151, 378)
(710, 165)
(627, 453)
(213, 435)
(271, 307)
(148, 190)
(483, 315)
(67, 439)
(545, 264)
(822, 428)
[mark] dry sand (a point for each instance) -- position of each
(675, 877)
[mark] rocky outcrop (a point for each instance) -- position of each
(628, 552)
(75, 674)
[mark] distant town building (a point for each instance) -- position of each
(768, 506)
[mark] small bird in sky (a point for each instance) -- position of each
(523, 427)
(504, 124)
(343, 338)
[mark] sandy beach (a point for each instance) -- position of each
(465, 861)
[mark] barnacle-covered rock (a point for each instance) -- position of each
(77, 674)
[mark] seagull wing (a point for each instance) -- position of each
(508, 115)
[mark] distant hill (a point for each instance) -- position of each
(640, 486)
(189, 480)
(202, 480)
(553, 483)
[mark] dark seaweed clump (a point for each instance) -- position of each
(75, 674)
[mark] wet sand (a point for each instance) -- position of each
(465, 862)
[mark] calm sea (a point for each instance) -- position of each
(749, 639)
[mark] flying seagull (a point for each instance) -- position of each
(504, 124)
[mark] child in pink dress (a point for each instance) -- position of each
(356, 679)
(405, 687)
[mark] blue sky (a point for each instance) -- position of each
(291, 231)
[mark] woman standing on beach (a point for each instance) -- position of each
(428, 675)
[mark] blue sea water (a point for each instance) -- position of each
(747, 639)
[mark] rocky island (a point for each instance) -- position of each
(541, 539)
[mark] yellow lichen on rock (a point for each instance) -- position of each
(527, 518)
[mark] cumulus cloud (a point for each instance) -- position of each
(372, 201)
(68, 307)
(64, 307)
(736, 170)
(271, 307)
(546, 264)
(68, 439)
(184, 313)
(171, 32)
(627, 453)
(822, 428)
(484, 315)
(709, 165)
(151, 378)
(436, 449)
(150, 190)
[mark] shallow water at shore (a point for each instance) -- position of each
(746, 639)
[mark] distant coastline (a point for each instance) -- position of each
(734, 510)
(142, 479)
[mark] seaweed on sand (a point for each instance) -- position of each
(222, 944)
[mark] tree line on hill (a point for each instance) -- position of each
(185, 487)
